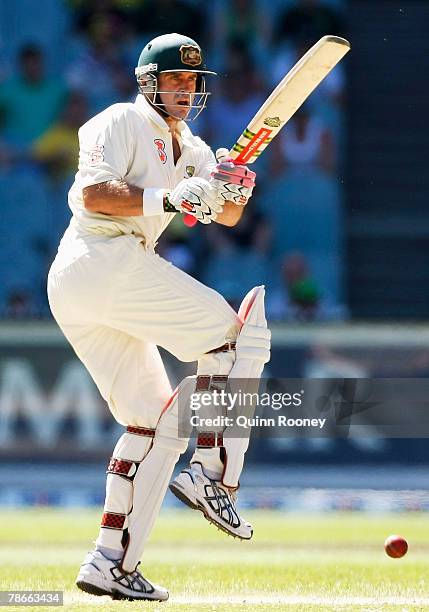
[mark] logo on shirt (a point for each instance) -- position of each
(95, 155)
(190, 171)
(160, 145)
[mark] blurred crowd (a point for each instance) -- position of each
(63, 64)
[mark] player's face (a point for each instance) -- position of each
(182, 86)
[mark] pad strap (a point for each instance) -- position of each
(209, 439)
(113, 520)
(122, 467)
(215, 382)
(141, 431)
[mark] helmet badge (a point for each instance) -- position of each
(190, 55)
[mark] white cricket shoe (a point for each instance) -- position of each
(99, 575)
(212, 498)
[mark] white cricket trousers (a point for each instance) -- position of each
(115, 301)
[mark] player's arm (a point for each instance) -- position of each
(103, 165)
(114, 197)
(118, 198)
(194, 196)
(230, 215)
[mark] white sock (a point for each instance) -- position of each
(210, 460)
(110, 553)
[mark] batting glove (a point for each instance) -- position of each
(234, 182)
(197, 197)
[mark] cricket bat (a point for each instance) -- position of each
(288, 96)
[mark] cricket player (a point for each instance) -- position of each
(116, 300)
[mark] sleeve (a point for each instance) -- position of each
(105, 148)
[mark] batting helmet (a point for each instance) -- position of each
(172, 53)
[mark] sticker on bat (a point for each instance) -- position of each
(273, 122)
(253, 145)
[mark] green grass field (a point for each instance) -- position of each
(305, 563)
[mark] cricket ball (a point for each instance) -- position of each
(395, 546)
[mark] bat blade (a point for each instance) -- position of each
(288, 96)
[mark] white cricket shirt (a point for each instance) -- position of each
(132, 142)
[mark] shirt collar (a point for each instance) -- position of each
(148, 110)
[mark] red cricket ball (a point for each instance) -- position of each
(395, 546)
